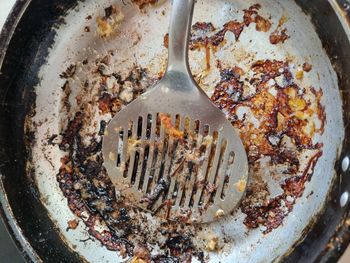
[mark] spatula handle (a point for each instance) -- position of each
(179, 32)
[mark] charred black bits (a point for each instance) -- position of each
(179, 244)
(102, 70)
(160, 188)
(74, 127)
(51, 139)
(228, 74)
(123, 215)
(103, 125)
(109, 11)
(70, 71)
(83, 179)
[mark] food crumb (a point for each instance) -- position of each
(142, 255)
(278, 37)
(299, 75)
(240, 185)
(170, 129)
(143, 3)
(219, 213)
(72, 224)
(127, 94)
(166, 40)
(307, 67)
(104, 29)
(262, 24)
(108, 24)
(137, 260)
(212, 244)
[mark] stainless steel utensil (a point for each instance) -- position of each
(173, 145)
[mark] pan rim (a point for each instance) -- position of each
(5, 209)
(6, 215)
(13, 228)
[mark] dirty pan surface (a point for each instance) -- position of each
(260, 62)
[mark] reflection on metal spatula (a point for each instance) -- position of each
(171, 151)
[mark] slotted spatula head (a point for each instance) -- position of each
(171, 151)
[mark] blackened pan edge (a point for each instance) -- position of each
(334, 200)
(22, 244)
(330, 235)
(10, 26)
(24, 45)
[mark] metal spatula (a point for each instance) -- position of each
(171, 151)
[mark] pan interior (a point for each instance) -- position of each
(140, 41)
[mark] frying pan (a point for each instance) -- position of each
(41, 39)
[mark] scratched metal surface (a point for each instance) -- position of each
(69, 47)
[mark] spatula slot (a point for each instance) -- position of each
(230, 161)
(176, 160)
